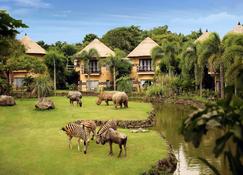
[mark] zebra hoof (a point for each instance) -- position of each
(85, 152)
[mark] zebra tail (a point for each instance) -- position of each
(63, 128)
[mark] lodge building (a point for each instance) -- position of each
(31, 49)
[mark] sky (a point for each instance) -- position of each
(71, 20)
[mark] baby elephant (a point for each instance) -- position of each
(104, 97)
(113, 136)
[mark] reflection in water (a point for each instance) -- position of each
(169, 120)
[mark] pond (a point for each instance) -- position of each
(169, 120)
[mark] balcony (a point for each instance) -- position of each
(145, 70)
(94, 72)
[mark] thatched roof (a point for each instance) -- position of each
(144, 48)
(32, 47)
(238, 29)
(203, 37)
(101, 48)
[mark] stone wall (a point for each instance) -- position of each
(129, 124)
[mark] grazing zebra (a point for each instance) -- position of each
(79, 131)
(109, 124)
(91, 127)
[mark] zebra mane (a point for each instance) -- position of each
(101, 127)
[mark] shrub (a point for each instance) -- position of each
(124, 84)
(5, 87)
(155, 90)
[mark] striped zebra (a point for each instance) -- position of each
(79, 131)
(91, 127)
(109, 124)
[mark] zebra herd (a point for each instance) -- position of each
(86, 131)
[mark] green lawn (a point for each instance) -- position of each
(32, 142)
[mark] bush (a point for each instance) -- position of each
(155, 90)
(5, 87)
(28, 83)
(124, 84)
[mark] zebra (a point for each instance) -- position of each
(79, 131)
(91, 127)
(108, 124)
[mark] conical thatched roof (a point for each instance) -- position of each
(238, 29)
(203, 37)
(32, 47)
(101, 48)
(144, 48)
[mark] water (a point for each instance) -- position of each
(169, 120)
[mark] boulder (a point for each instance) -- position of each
(45, 104)
(7, 100)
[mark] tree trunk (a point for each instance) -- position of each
(221, 72)
(114, 78)
(195, 77)
(88, 84)
(201, 86)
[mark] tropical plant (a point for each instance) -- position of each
(232, 56)
(5, 87)
(155, 91)
(206, 49)
(226, 116)
(86, 57)
(124, 84)
(42, 86)
(28, 83)
(116, 65)
(167, 54)
(57, 57)
(188, 65)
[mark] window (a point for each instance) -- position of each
(93, 66)
(18, 82)
(145, 65)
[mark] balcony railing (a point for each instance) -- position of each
(92, 71)
(145, 69)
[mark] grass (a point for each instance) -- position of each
(32, 142)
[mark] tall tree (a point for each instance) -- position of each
(115, 64)
(85, 57)
(88, 38)
(124, 38)
(55, 55)
(233, 54)
(9, 25)
(167, 54)
(210, 47)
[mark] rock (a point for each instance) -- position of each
(7, 100)
(45, 104)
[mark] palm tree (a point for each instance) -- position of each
(206, 49)
(167, 53)
(85, 57)
(42, 86)
(233, 55)
(112, 62)
(189, 62)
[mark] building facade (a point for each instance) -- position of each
(142, 73)
(99, 77)
(31, 49)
